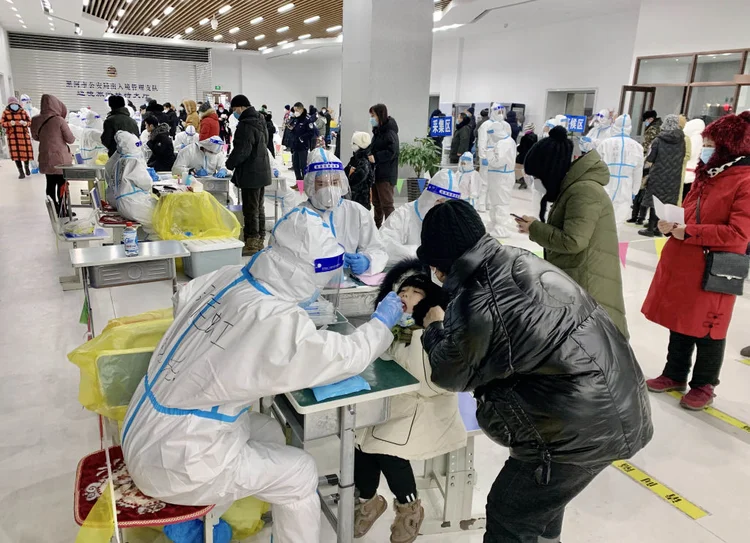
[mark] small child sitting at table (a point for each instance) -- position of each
(422, 424)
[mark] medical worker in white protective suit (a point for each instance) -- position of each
(624, 157)
(241, 334)
(501, 177)
(185, 138)
(131, 181)
(497, 114)
(90, 138)
(353, 226)
(205, 158)
(693, 130)
(402, 230)
(601, 126)
(469, 180)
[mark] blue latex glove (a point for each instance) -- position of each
(342, 388)
(358, 263)
(201, 173)
(275, 173)
(485, 162)
(389, 311)
(222, 173)
(152, 173)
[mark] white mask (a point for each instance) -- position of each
(297, 113)
(466, 167)
(326, 197)
(435, 280)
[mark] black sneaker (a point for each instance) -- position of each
(647, 232)
(21, 175)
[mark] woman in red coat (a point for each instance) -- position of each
(16, 123)
(209, 122)
(676, 300)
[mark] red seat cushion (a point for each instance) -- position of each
(134, 509)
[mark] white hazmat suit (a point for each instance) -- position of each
(32, 112)
(131, 181)
(183, 139)
(693, 130)
(469, 180)
(484, 147)
(501, 176)
(601, 126)
(239, 335)
(624, 157)
(351, 223)
(402, 230)
(205, 156)
(90, 138)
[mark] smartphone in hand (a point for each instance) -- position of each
(516, 217)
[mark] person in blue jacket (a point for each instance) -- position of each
(303, 132)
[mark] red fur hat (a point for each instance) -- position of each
(730, 134)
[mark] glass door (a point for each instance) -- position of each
(635, 101)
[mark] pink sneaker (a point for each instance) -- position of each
(698, 398)
(665, 384)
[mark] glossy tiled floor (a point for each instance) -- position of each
(44, 431)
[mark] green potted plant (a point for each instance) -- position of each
(422, 156)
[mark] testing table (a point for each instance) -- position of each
(109, 266)
(80, 172)
(217, 186)
(310, 419)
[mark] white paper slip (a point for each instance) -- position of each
(669, 212)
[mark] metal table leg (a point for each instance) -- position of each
(87, 301)
(345, 524)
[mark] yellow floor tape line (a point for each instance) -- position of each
(745, 361)
(729, 419)
(664, 492)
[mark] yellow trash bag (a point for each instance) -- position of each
(102, 159)
(185, 215)
(244, 517)
(106, 385)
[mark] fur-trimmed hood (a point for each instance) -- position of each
(402, 271)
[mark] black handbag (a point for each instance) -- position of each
(725, 272)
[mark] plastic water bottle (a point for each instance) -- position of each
(130, 239)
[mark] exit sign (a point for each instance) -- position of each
(217, 87)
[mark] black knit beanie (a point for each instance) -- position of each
(549, 161)
(448, 231)
(116, 101)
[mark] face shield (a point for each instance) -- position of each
(212, 145)
(325, 180)
(443, 186)
(497, 112)
(466, 163)
(586, 144)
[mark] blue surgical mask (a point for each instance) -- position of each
(15, 107)
(406, 321)
(236, 115)
(373, 122)
(707, 153)
(304, 304)
(647, 123)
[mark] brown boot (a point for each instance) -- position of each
(366, 513)
(409, 518)
(251, 247)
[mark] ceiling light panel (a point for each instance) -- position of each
(242, 43)
(218, 37)
(306, 19)
(260, 37)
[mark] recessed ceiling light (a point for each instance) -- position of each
(266, 51)
(155, 22)
(234, 30)
(24, 26)
(9, 1)
(85, 3)
(263, 48)
(283, 42)
(146, 30)
(300, 51)
(287, 46)
(282, 29)
(203, 21)
(286, 7)
(50, 19)
(14, 8)
(168, 10)
(312, 20)
(224, 9)
(259, 37)
(128, 1)
(177, 36)
(304, 36)
(114, 23)
(218, 37)
(189, 30)
(17, 15)
(256, 21)
(120, 12)
(333, 28)
(243, 42)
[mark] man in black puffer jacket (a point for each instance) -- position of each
(252, 170)
(553, 377)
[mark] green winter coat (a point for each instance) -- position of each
(580, 236)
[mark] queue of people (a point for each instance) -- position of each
(567, 395)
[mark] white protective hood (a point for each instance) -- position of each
(497, 112)
(193, 157)
(443, 186)
(132, 182)
(185, 138)
(503, 155)
(694, 130)
(324, 166)
(623, 126)
(94, 121)
(602, 126)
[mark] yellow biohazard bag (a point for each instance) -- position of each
(113, 363)
(185, 215)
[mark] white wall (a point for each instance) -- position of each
(686, 26)
(522, 65)
(282, 80)
(5, 68)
